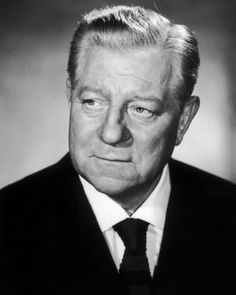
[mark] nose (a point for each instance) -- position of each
(114, 130)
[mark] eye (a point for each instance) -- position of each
(92, 104)
(141, 112)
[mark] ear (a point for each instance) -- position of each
(189, 111)
(68, 91)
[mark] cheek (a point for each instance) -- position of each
(81, 129)
(76, 134)
(156, 141)
(80, 140)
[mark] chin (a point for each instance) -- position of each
(110, 186)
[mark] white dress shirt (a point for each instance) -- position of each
(153, 211)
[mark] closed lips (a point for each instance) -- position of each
(113, 159)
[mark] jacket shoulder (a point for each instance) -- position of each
(206, 193)
(38, 183)
(199, 179)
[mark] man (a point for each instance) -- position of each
(117, 215)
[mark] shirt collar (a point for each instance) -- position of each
(153, 210)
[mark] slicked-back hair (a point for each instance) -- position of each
(127, 27)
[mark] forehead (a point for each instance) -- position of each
(142, 69)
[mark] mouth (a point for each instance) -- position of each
(113, 159)
(113, 166)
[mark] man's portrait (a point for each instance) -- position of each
(117, 214)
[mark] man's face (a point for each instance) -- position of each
(122, 127)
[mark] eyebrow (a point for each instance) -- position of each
(148, 98)
(152, 98)
(94, 90)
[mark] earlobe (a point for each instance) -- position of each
(189, 111)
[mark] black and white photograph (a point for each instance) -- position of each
(117, 147)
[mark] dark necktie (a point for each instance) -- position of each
(134, 268)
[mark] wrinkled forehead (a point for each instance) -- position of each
(147, 61)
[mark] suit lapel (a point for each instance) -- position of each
(90, 259)
(177, 267)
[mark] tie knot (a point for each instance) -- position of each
(133, 233)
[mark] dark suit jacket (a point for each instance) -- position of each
(51, 242)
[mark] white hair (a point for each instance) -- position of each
(123, 27)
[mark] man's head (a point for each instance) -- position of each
(131, 75)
